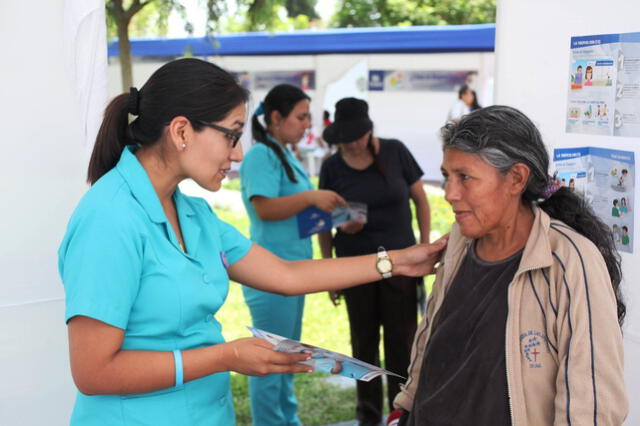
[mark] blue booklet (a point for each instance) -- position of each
(312, 220)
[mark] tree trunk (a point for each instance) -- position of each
(124, 46)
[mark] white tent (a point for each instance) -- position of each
(47, 106)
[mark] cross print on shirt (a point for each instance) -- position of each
(535, 355)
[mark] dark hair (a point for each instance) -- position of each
(463, 89)
(503, 136)
(193, 88)
(475, 105)
(282, 98)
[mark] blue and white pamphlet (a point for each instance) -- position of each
(312, 220)
(323, 359)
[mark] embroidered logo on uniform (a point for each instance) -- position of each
(224, 259)
(532, 344)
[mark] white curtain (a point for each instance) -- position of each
(85, 37)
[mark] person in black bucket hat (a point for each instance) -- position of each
(350, 123)
(383, 175)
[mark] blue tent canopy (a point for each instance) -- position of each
(422, 39)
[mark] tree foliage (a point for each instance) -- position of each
(153, 18)
(273, 15)
(301, 7)
(147, 14)
(127, 18)
(382, 13)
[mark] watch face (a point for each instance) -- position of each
(384, 266)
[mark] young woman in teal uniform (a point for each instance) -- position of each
(275, 187)
(145, 268)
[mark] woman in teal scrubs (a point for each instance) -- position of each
(146, 268)
(275, 187)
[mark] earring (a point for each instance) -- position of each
(184, 145)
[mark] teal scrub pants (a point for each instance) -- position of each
(272, 398)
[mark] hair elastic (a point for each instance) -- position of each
(133, 105)
(552, 186)
(260, 110)
(177, 360)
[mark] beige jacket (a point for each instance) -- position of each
(561, 297)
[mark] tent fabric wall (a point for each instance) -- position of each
(532, 74)
(42, 170)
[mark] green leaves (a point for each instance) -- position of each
(383, 13)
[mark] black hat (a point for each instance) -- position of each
(351, 122)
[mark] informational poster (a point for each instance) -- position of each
(604, 85)
(428, 81)
(605, 178)
(306, 80)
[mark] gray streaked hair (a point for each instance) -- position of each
(502, 136)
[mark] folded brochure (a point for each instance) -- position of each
(323, 359)
(312, 220)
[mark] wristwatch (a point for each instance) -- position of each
(383, 263)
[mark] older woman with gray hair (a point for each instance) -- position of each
(523, 326)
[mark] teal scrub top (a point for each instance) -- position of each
(121, 263)
(262, 173)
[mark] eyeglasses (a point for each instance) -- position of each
(232, 136)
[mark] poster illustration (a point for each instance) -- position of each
(604, 85)
(432, 81)
(306, 80)
(605, 178)
(265, 80)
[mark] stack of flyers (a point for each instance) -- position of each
(323, 359)
(313, 220)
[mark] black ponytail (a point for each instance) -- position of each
(193, 88)
(282, 98)
(260, 135)
(376, 159)
(112, 137)
(574, 211)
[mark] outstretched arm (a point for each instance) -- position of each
(262, 270)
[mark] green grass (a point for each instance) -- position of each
(324, 325)
(319, 403)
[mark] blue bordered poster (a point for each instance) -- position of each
(604, 85)
(605, 178)
(418, 80)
